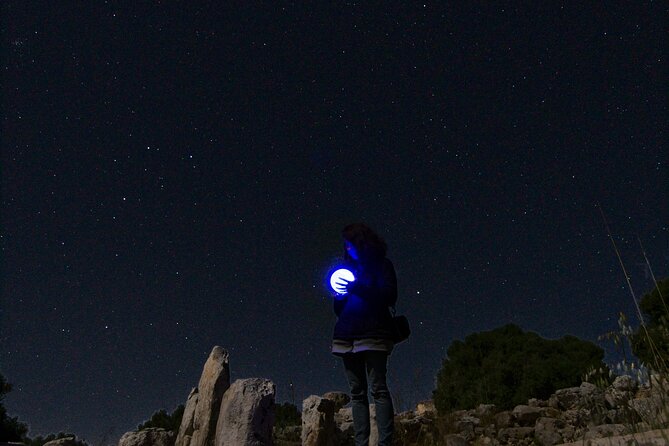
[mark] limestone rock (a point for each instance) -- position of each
(650, 438)
(426, 409)
(652, 410)
(526, 415)
(186, 428)
(547, 431)
(247, 414)
(625, 383)
(148, 437)
(318, 427)
(504, 419)
(484, 411)
(605, 430)
(200, 428)
(67, 441)
(344, 427)
(513, 435)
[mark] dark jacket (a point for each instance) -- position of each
(363, 312)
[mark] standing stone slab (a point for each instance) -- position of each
(185, 433)
(247, 414)
(203, 406)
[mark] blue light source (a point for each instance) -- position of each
(342, 274)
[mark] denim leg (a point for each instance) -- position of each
(385, 413)
(354, 365)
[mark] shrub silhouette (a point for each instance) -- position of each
(507, 366)
(652, 347)
(162, 419)
(11, 429)
(286, 414)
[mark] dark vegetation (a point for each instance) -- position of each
(11, 429)
(162, 419)
(651, 345)
(507, 366)
(287, 415)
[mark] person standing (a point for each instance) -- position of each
(363, 334)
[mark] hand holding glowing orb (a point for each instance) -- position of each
(339, 278)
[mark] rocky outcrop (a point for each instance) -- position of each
(198, 425)
(247, 414)
(585, 413)
(216, 413)
(147, 437)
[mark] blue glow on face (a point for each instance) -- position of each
(339, 278)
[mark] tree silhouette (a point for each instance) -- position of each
(507, 366)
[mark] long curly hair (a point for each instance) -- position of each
(369, 244)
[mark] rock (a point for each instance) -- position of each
(426, 409)
(318, 426)
(148, 437)
(186, 428)
(339, 398)
(66, 441)
(344, 426)
(199, 428)
(605, 430)
(550, 412)
(454, 440)
(652, 410)
(586, 396)
(485, 411)
(547, 431)
(625, 383)
(650, 438)
(512, 435)
(246, 417)
(526, 415)
(534, 402)
(504, 419)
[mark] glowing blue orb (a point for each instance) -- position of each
(337, 276)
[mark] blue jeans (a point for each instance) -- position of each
(359, 366)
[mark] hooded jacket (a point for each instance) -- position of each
(363, 312)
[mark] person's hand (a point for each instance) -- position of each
(346, 284)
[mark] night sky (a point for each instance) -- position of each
(176, 176)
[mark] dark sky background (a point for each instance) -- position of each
(176, 176)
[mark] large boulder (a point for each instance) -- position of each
(198, 426)
(318, 425)
(147, 437)
(246, 417)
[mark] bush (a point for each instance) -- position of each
(507, 366)
(287, 415)
(162, 419)
(651, 345)
(11, 429)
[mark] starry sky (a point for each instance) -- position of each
(176, 176)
